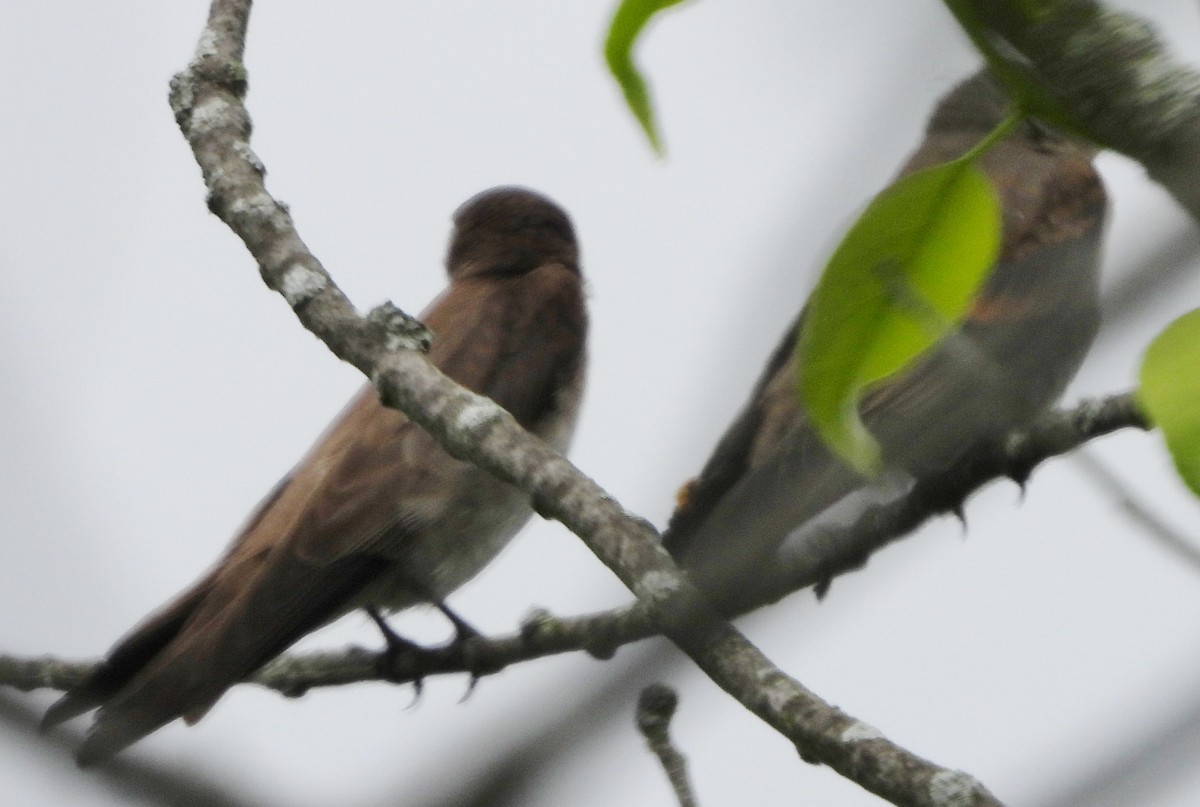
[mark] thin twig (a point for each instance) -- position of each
(655, 708)
(1186, 550)
(129, 780)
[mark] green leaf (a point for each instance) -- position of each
(903, 275)
(1169, 391)
(631, 17)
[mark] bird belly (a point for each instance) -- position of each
(466, 536)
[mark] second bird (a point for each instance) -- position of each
(1012, 356)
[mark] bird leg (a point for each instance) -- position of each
(460, 648)
(395, 648)
(420, 661)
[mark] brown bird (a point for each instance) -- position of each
(1017, 349)
(376, 514)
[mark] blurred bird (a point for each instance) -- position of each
(376, 515)
(1012, 356)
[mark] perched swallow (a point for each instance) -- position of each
(376, 515)
(1019, 346)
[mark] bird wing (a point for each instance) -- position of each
(769, 474)
(318, 541)
(730, 459)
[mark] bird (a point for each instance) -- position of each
(1022, 340)
(376, 515)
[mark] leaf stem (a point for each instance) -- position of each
(993, 137)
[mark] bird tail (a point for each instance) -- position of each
(126, 659)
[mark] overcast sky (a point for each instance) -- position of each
(154, 390)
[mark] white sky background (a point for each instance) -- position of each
(154, 390)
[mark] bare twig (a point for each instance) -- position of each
(655, 708)
(1155, 274)
(129, 779)
(1184, 549)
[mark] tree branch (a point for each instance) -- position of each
(838, 550)
(1109, 73)
(1015, 457)
(832, 552)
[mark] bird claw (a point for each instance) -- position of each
(463, 630)
(418, 683)
(464, 646)
(395, 648)
(461, 645)
(418, 660)
(471, 682)
(958, 511)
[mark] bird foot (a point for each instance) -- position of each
(399, 661)
(403, 661)
(463, 648)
